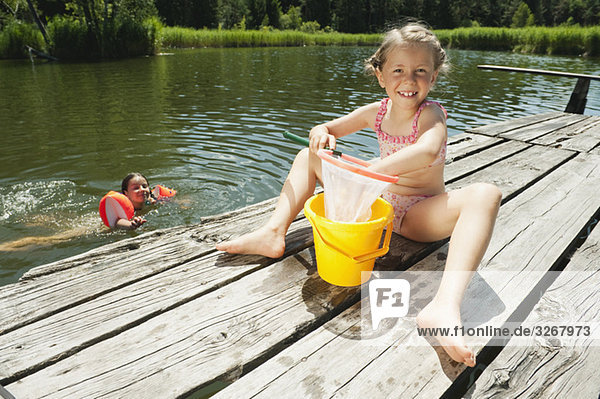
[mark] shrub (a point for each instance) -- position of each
(69, 39)
(123, 37)
(16, 35)
(310, 27)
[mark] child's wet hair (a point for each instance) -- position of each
(125, 182)
(408, 35)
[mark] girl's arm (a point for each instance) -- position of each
(132, 224)
(424, 151)
(325, 134)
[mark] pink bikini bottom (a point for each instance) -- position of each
(401, 204)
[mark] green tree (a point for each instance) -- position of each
(317, 10)
(545, 12)
(384, 13)
(485, 13)
(205, 13)
(273, 11)
(522, 17)
(591, 14)
(114, 28)
(257, 10)
(11, 10)
(231, 12)
(172, 12)
(350, 16)
(287, 4)
(138, 10)
(50, 8)
(292, 19)
(191, 13)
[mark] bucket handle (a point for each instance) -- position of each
(364, 257)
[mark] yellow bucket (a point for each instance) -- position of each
(346, 249)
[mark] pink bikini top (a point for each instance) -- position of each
(390, 144)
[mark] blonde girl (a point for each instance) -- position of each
(412, 135)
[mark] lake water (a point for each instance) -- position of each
(208, 123)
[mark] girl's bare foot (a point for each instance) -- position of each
(443, 316)
(264, 241)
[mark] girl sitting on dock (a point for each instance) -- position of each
(412, 136)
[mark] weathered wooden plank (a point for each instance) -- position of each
(556, 207)
(533, 132)
(581, 137)
(465, 166)
(44, 342)
(86, 277)
(545, 368)
(517, 172)
(211, 337)
(465, 144)
(496, 129)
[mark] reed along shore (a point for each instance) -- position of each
(561, 40)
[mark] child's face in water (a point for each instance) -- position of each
(137, 191)
(407, 75)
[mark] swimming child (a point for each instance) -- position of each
(412, 135)
(135, 187)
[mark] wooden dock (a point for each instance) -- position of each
(164, 315)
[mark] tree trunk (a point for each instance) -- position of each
(38, 22)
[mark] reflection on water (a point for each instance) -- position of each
(208, 123)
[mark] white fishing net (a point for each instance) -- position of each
(348, 194)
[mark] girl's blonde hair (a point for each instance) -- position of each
(408, 35)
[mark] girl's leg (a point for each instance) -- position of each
(269, 240)
(466, 215)
(26, 243)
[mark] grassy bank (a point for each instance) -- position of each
(561, 40)
(71, 40)
(569, 40)
(175, 37)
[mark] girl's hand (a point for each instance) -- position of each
(320, 138)
(137, 222)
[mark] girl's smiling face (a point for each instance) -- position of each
(407, 75)
(137, 191)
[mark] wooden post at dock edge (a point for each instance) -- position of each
(578, 98)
